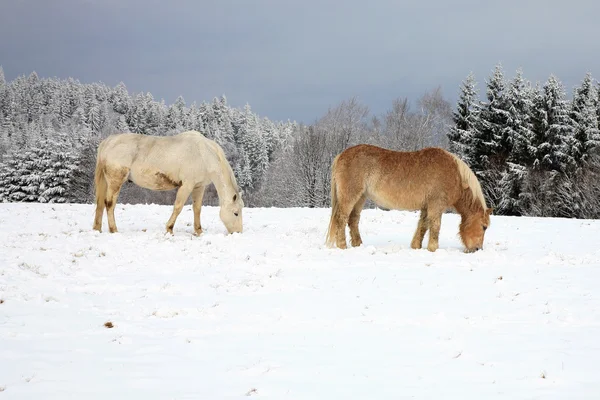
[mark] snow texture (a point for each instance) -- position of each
(273, 313)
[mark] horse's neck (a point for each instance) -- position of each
(466, 205)
(223, 185)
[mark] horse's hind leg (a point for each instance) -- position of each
(182, 195)
(353, 220)
(417, 241)
(100, 204)
(101, 187)
(197, 196)
(115, 178)
(346, 202)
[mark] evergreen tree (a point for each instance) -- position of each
(553, 151)
(93, 116)
(586, 137)
(521, 156)
(120, 99)
(460, 135)
(491, 143)
(40, 173)
(519, 124)
(254, 146)
(243, 171)
(511, 189)
(121, 125)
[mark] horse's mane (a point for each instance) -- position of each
(225, 164)
(469, 180)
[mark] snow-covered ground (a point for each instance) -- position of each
(273, 313)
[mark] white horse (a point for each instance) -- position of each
(188, 161)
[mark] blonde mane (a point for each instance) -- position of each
(469, 180)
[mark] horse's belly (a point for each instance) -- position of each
(153, 179)
(399, 197)
(396, 201)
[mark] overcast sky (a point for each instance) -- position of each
(294, 59)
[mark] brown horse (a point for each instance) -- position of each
(431, 180)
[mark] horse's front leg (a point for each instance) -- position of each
(197, 196)
(417, 241)
(182, 195)
(435, 222)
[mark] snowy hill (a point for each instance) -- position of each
(273, 313)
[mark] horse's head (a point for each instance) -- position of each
(472, 229)
(231, 213)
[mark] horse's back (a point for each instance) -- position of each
(160, 162)
(125, 148)
(119, 148)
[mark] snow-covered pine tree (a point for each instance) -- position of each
(490, 143)
(586, 137)
(465, 120)
(511, 190)
(56, 180)
(243, 171)
(553, 151)
(120, 99)
(270, 135)
(121, 125)
(520, 103)
(93, 116)
(254, 146)
(38, 173)
(153, 115)
(520, 158)
(173, 119)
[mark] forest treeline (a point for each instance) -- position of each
(534, 150)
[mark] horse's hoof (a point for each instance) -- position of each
(432, 248)
(198, 233)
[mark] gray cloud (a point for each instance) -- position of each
(293, 60)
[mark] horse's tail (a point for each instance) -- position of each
(469, 180)
(332, 231)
